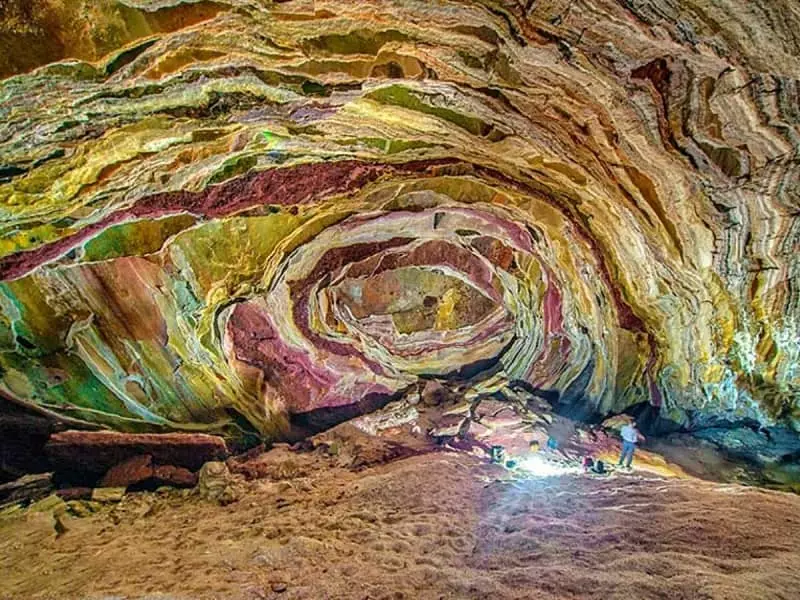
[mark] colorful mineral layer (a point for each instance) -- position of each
(355, 299)
(230, 217)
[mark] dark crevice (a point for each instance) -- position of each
(307, 424)
(128, 56)
(23, 434)
(8, 172)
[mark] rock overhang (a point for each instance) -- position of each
(174, 229)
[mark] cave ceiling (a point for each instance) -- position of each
(217, 215)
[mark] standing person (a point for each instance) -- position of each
(630, 437)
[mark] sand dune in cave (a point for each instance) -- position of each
(441, 525)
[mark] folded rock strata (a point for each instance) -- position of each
(227, 215)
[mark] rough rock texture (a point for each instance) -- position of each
(29, 487)
(175, 476)
(97, 452)
(215, 482)
(131, 471)
(140, 469)
(227, 216)
(428, 527)
(23, 434)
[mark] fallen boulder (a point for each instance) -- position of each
(217, 484)
(95, 452)
(128, 472)
(28, 488)
(449, 425)
(434, 393)
(394, 414)
(174, 476)
(355, 449)
(108, 494)
(278, 464)
(74, 493)
(141, 469)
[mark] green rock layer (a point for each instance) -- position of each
(217, 215)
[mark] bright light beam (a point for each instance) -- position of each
(538, 466)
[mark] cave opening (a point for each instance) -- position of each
(409, 299)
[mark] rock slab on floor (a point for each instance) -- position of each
(30, 487)
(129, 472)
(217, 484)
(95, 452)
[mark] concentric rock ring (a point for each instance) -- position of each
(378, 299)
(267, 209)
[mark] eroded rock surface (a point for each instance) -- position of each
(447, 525)
(223, 217)
(128, 458)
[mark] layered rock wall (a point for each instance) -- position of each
(236, 212)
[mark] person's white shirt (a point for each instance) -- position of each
(630, 434)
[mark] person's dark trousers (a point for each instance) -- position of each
(628, 449)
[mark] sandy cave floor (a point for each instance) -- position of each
(439, 525)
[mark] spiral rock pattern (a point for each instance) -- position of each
(217, 215)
